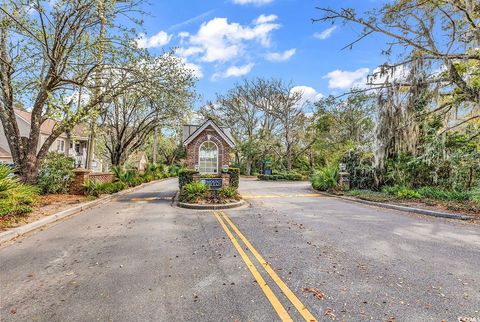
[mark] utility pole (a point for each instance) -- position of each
(98, 74)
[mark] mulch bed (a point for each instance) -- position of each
(45, 206)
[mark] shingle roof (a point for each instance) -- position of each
(79, 130)
(192, 131)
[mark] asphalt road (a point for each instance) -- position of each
(138, 258)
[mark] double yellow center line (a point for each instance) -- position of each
(277, 305)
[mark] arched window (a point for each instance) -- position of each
(208, 157)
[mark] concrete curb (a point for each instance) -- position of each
(212, 206)
(22, 230)
(420, 211)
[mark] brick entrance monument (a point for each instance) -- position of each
(208, 147)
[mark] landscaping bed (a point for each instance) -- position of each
(469, 207)
(44, 206)
(195, 192)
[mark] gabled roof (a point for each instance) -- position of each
(224, 133)
(46, 127)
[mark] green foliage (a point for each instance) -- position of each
(226, 193)
(234, 177)
(359, 166)
(96, 189)
(154, 172)
(130, 177)
(55, 174)
(15, 197)
(285, 176)
(185, 176)
(193, 192)
(401, 192)
(325, 179)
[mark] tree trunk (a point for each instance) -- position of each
(289, 157)
(248, 168)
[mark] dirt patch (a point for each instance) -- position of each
(45, 206)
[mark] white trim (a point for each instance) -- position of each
(216, 157)
(203, 127)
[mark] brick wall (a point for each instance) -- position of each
(209, 134)
(82, 176)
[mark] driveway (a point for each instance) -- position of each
(291, 254)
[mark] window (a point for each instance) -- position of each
(60, 145)
(208, 158)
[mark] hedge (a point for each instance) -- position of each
(185, 176)
(287, 176)
(234, 177)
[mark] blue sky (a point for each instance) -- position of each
(226, 40)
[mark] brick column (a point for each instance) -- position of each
(81, 176)
(225, 179)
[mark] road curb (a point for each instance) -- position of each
(420, 211)
(211, 206)
(64, 214)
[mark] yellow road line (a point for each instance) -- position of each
(288, 293)
(281, 196)
(282, 313)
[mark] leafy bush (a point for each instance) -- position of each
(96, 189)
(55, 174)
(401, 192)
(130, 177)
(229, 192)
(234, 177)
(153, 172)
(173, 170)
(325, 179)
(193, 192)
(359, 166)
(15, 197)
(440, 194)
(289, 176)
(185, 176)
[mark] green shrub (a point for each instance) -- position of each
(55, 174)
(15, 197)
(325, 179)
(402, 192)
(185, 176)
(130, 177)
(96, 189)
(194, 192)
(234, 177)
(288, 176)
(228, 193)
(440, 194)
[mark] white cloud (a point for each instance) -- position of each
(189, 51)
(195, 69)
(223, 41)
(255, 2)
(234, 71)
(325, 34)
(340, 79)
(265, 19)
(279, 57)
(309, 94)
(158, 40)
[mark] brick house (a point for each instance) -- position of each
(208, 147)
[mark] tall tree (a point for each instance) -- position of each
(130, 118)
(47, 60)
